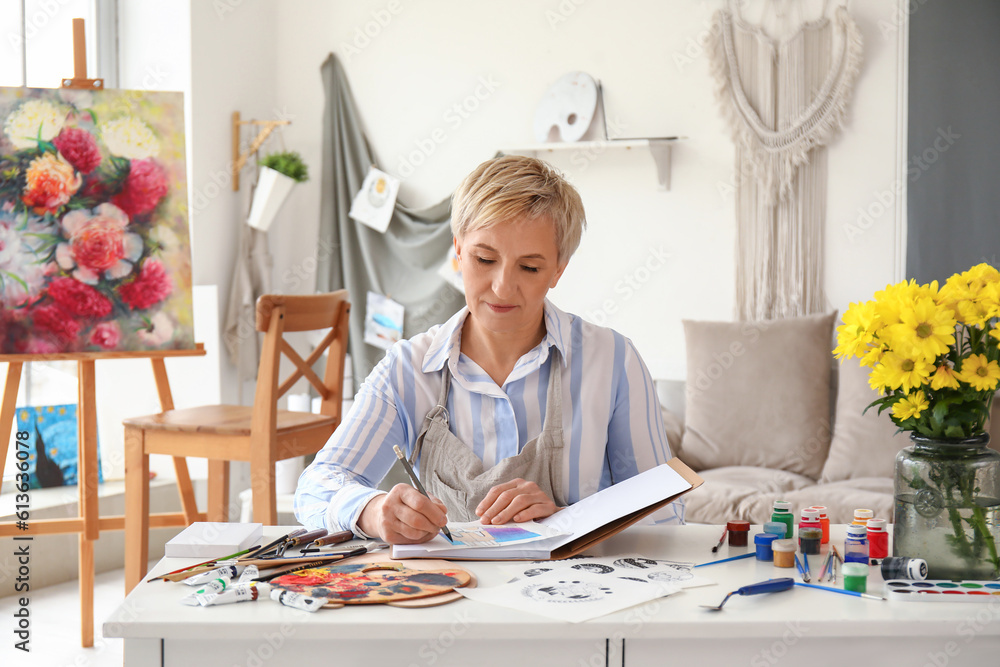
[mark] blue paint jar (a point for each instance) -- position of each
(763, 543)
(778, 528)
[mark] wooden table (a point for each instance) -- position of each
(89, 523)
(800, 626)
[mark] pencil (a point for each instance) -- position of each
(416, 483)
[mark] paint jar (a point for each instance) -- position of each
(897, 567)
(878, 539)
(856, 545)
(809, 518)
(855, 577)
(809, 540)
(861, 517)
(824, 522)
(763, 542)
(783, 512)
(776, 528)
(784, 553)
(738, 532)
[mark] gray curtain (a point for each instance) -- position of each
(403, 262)
(953, 202)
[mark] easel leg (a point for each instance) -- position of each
(86, 591)
(89, 510)
(136, 508)
(7, 408)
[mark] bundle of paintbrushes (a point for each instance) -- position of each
(830, 565)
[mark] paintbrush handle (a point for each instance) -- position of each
(841, 591)
(333, 538)
(726, 560)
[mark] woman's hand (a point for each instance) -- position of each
(403, 516)
(516, 500)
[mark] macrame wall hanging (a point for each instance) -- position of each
(785, 100)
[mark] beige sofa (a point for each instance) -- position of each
(767, 414)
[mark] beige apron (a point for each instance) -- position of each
(452, 472)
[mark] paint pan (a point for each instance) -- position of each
(942, 590)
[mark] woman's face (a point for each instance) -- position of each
(507, 270)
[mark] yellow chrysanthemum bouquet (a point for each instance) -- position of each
(934, 353)
(934, 356)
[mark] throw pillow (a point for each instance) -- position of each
(863, 445)
(758, 394)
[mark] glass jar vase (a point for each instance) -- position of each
(947, 506)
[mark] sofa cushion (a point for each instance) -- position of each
(747, 493)
(863, 445)
(758, 394)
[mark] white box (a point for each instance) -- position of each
(205, 539)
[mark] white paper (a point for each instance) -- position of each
(383, 321)
(375, 202)
(473, 535)
(629, 566)
(569, 595)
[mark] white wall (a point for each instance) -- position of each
(417, 60)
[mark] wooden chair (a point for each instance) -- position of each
(260, 434)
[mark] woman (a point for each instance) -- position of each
(509, 410)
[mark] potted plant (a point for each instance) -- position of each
(278, 173)
(934, 356)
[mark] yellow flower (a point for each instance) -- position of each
(907, 372)
(910, 406)
(129, 137)
(926, 329)
(856, 333)
(877, 379)
(873, 356)
(944, 377)
(978, 372)
(35, 119)
(995, 333)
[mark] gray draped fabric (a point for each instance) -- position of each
(403, 262)
(251, 278)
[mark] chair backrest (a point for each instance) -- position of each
(278, 314)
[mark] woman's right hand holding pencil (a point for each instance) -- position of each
(403, 516)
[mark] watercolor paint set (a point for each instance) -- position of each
(942, 590)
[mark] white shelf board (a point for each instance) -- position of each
(659, 148)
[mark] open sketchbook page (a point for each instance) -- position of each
(593, 512)
(473, 534)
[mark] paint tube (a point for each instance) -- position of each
(227, 572)
(297, 600)
(238, 593)
(209, 588)
(250, 572)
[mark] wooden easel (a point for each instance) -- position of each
(89, 523)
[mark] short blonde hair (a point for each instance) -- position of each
(511, 187)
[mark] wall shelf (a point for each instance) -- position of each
(659, 148)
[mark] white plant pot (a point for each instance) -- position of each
(272, 190)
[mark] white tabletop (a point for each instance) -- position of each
(153, 609)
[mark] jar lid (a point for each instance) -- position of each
(863, 514)
(854, 530)
(811, 533)
(764, 538)
(779, 528)
(738, 526)
(783, 545)
(783, 505)
(877, 525)
(810, 513)
(821, 509)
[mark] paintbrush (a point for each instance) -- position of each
(841, 591)
(804, 573)
(726, 560)
(725, 530)
(323, 560)
(203, 567)
(826, 564)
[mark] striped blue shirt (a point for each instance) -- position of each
(611, 418)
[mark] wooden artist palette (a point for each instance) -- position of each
(370, 580)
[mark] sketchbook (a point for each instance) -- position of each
(582, 524)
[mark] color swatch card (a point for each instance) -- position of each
(630, 566)
(569, 595)
(937, 590)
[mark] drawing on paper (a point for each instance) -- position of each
(491, 536)
(566, 591)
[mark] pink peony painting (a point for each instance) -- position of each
(94, 246)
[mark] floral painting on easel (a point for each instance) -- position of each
(94, 246)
